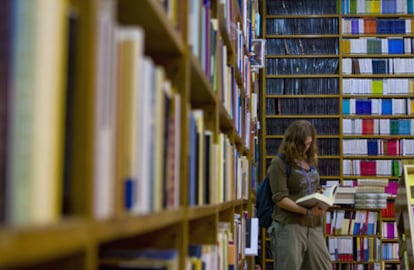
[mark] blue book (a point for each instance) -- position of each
(129, 187)
(363, 106)
(404, 127)
(386, 107)
(410, 9)
(372, 146)
(395, 46)
(381, 27)
(192, 170)
(346, 107)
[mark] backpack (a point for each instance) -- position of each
(264, 202)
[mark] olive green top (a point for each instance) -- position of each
(299, 184)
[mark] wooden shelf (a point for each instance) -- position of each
(133, 226)
(20, 245)
(164, 39)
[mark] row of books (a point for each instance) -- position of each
(370, 197)
(301, 7)
(358, 266)
(324, 126)
(377, 6)
(326, 146)
(378, 147)
(377, 126)
(226, 253)
(351, 222)
(349, 249)
(390, 187)
(390, 251)
(389, 86)
(290, 66)
(377, 66)
(217, 172)
(376, 106)
(327, 167)
(135, 130)
(286, 106)
(302, 26)
(302, 86)
(377, 26)
(383, 167)
(387, 46)
(301, 46)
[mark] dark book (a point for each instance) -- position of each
(69, 113)
(5, 64)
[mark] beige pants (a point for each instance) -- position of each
(297, 247)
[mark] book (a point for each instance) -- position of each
(325, 199)
(165, 259)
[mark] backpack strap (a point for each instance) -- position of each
(287, 167)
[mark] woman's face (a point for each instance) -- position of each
(308, 142)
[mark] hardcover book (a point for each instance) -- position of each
(325, 199)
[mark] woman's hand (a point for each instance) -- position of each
(317, 211)
(321, 190)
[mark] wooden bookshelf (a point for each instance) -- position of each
(286, 54)
(77, 237)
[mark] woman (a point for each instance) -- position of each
(296, 232)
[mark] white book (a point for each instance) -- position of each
(105, 113)
(325, 199)
(145, 178)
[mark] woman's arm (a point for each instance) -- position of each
(289, 205)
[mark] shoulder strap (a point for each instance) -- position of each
(287, 167)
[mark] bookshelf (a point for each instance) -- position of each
(139, 90)
(323, 63)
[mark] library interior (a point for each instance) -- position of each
(167, 124)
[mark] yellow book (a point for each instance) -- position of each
(411, 87)
(377, 87)
(346, 46)
(373, 6)
(49, 107)
(159, 142)
(199, 118)
(196, 263)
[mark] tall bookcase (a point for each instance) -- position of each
(145, 137)
(345, 66)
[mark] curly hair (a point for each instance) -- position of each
(293, 143)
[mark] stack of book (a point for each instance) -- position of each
(345, 195)
(370, 193)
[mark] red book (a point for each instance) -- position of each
(370, 25)
(368, 126)
(368, 167)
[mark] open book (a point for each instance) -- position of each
(325, 199)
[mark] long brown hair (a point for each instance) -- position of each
(293, 143)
